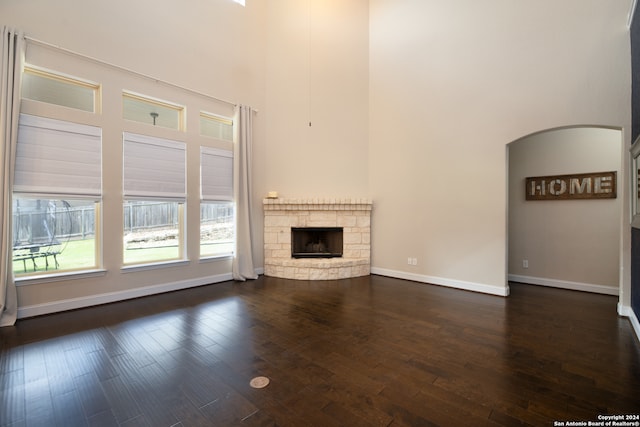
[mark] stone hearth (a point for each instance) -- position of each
(353, 215)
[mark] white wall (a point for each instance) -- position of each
(317, 98)
(452, 83)
(567, 243)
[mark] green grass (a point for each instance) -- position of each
(80, 255)
(147, 255)
(77, 254)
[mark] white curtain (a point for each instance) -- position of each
(13, 47)
(243, 267)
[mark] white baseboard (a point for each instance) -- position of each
(74, 303)
(626, 311)
(565, 284)
(451, 283)
(635, 323)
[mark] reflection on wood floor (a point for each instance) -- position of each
(370, 351)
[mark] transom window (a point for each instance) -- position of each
(215, 126)
(152, 111)
(54, 88)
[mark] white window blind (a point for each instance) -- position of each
(58, 157)
(154, 168)
(216, 174)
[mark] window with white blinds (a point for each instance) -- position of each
(216, 174)
(153, 168)
(56, 157)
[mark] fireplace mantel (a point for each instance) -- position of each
(353, 215)
(317, 204)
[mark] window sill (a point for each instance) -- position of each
(58, 277)
(219, 257)
(154, 265)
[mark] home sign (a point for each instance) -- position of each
(600, 185)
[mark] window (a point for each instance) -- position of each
(54, 235)
(217, 220)
(46, 86)
(216, 126)
(143, 109)
(154, 185)
(57, 193)
(58, 212)
(217, 235)
(152, 231)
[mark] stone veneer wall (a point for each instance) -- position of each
(353, 215)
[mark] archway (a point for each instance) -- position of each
(572, 244)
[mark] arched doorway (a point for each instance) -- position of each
(572, 244)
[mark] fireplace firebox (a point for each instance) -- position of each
(316, 242)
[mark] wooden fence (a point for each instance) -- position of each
(78, 222)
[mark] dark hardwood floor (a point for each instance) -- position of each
(370, 351)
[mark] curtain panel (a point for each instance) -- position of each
(13, 48)
(242, 266)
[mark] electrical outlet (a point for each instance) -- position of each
(409, 261)
(414, 261)
(525, 263)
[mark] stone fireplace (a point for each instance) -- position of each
(318, 222)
